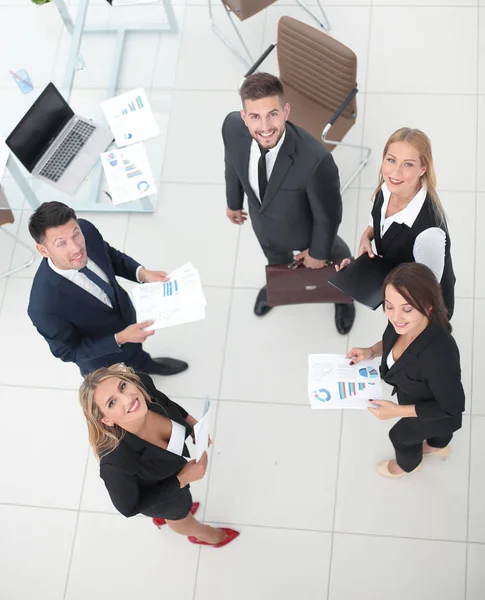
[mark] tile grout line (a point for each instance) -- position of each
(221, 377)
(477, 141)
(78, 516)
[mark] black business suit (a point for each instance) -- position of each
(78, 326)
(301, 207)
(397, 243)
(428, 375)
(142, 478)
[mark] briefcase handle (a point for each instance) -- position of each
(296, 264)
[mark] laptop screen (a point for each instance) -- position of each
(39, 127)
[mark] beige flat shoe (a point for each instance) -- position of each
(383, 469)
(442, 452)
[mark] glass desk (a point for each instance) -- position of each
(93, 194)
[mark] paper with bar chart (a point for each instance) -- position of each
(334, 383)
(130, 118)
(174, 302)
(128, 174)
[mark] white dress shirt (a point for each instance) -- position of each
(390, 360)
(255, 155)
(429, 245)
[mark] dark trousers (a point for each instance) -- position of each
(407, 437)
(275, 257)
(138, 360)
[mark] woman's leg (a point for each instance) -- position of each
(190, 526)
(436, 442)
(408, 444)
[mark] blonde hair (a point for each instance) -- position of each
(421, 142)
(103, 438)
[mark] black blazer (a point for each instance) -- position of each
(77, 326)
(138, 475)
(397, 244)
(428, 374)
(302, 206)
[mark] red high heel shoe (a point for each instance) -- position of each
(230, 535)
(161, 522)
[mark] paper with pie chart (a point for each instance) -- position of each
(334, 383)
(128, 174)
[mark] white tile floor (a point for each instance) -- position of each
(316, 521)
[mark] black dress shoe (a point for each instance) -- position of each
(344, 317)
(167, 366)
(261, 306)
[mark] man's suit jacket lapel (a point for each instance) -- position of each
(283, 163)
(244, 150)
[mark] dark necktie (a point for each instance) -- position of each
(262, 175)
(101, 283)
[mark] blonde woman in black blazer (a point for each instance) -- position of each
(421, 360)
(139, 436)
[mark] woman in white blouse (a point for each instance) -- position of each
(408, 222)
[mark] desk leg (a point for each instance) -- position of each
(73, 55)
(172, 21)
(23, 184)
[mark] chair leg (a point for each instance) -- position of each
(233, 49)
(323, 22)
(363, 162)
(23, 265)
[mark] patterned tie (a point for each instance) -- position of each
(106, 287)
(262, 175)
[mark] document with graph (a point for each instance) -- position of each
(128, 174)
(174, 302)
(334, 383)
(130, 118)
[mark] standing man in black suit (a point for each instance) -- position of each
(291, 181)
(77, 305)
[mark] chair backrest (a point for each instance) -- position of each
(6, 215)
(318, 72)
(243, 9)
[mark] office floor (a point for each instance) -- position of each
(316, 520)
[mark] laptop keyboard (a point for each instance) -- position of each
(67, 151)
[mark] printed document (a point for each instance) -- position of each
(334, 383)
(174, 302)
(130, 118)
(202, 431)
(128, 174)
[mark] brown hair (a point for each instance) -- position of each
(417, 284)
(105, 439)
(419, 140)
(261, 85)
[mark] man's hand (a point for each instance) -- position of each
(134, 333)
(150, 276)
(309, 262)
(236, 216)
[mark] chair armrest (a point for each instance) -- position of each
(343, 106)
(260, 60)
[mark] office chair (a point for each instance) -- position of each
(243, 9)
(319, 76)
(6, 216)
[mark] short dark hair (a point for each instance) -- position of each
(261, 85)
(49, 214)
(417, 284)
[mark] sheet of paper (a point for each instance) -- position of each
(128, 174)
(177, 301)
(130, 118)
(202, 431)
(334, 383)
(4, 154)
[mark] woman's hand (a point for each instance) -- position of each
(365, 246)
(384, 410)
(193, 471)
(358, 354)
(343, 264)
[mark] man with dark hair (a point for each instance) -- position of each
(291, 181)
(77, 305)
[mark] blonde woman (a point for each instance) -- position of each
(139, 436)
(408, 222)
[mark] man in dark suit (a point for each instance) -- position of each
(77, 305)
(291, 181)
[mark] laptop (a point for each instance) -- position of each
(362, 280)
(56, 145)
